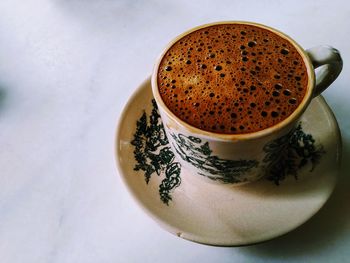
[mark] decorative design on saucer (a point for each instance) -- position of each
(153, 155)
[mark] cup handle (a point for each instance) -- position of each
(330, 63)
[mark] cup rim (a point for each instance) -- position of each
(296, 114)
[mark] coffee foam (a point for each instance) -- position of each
(232, 78)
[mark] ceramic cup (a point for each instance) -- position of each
(242, 158)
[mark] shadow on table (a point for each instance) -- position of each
(320, 231)
(2, 98)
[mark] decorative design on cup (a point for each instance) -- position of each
(196, 152)
(289, 153)
(154, 155)
(283, 156)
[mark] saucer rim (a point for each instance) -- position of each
(164, 224)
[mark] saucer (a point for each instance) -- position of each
(222, 214)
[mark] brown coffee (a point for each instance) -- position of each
(232, 78)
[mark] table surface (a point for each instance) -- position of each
(67, 69)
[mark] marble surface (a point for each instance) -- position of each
(67, 68)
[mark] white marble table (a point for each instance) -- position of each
(67, 67)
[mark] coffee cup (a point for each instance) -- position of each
(227, 91)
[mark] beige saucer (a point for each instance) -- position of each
(224, 215)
